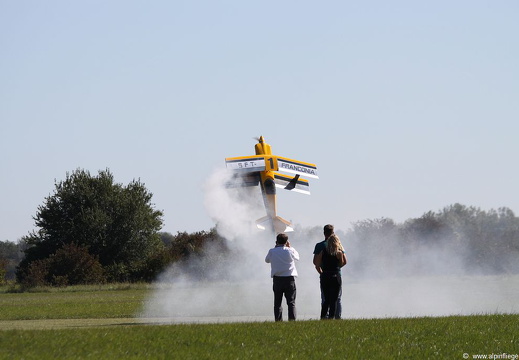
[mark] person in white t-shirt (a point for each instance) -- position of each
(283, 271)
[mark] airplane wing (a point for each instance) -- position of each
(297, 167)
(246, 163)
(292, 183)
(241, 179)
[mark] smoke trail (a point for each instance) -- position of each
(235, 284)
(381, 279)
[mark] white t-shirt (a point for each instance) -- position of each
(282, 261)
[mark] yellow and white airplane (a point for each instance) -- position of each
(262, 169)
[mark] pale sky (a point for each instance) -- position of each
(405, 106)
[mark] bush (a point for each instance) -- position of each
(70, 265)
(35, 274)
(74, 265)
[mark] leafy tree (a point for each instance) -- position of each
(10, 256)
(184, 245)
(426, 229)
(167, 238)
(116, 223)
(491, 238)
(196, 254)
(372, 240)
(3, 270)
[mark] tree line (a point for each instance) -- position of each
(72, 264)
(458, 239)
(94, 230)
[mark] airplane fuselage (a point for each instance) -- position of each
(268, 186)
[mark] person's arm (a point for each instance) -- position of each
(342, 258)
(267, 258)
(318, 259)
(295, 254)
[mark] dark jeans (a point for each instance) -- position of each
(338, 309)
(284, 285)
(331, 285)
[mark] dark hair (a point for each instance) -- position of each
(282, 239)
(328, 230)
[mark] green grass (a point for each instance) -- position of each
(71, 304)
(419, 338)
(407, 338)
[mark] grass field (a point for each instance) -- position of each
(99, 323)
(89, 302)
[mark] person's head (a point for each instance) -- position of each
(281, 239)
(328, 230)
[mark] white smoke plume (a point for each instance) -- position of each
(236, 284)
(386, 281)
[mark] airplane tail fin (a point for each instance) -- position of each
(278, 224)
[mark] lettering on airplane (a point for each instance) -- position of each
(246, 165)
(298, 168)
